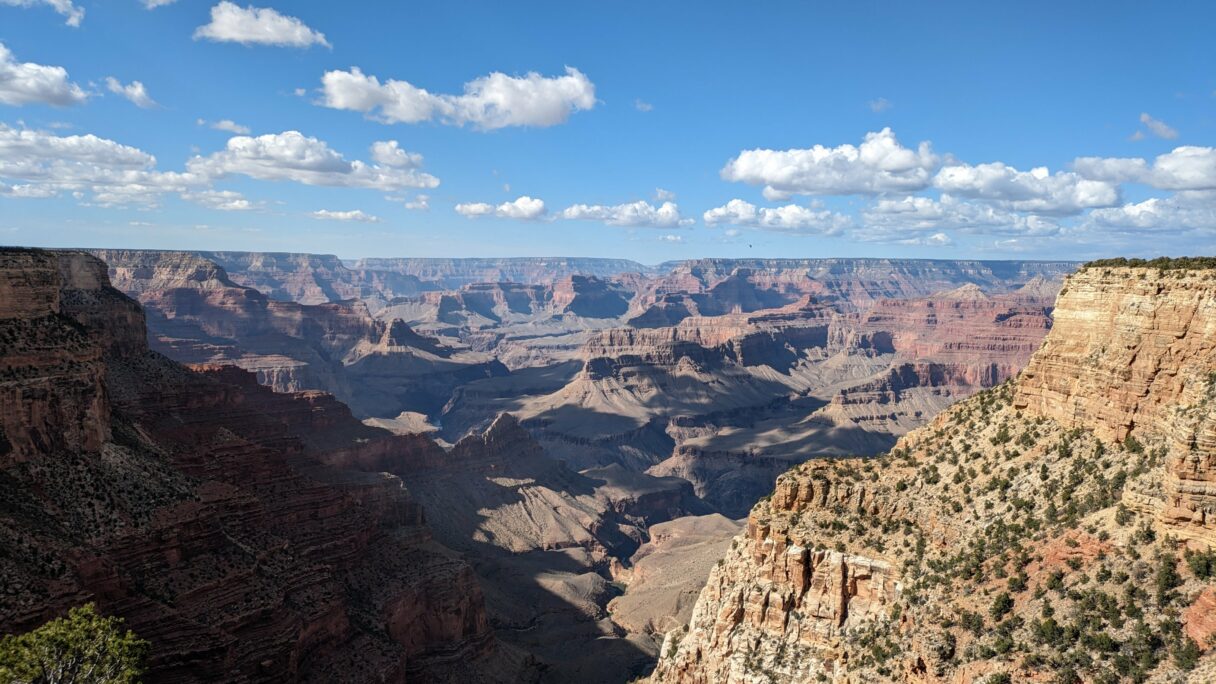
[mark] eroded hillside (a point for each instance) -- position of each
(1056, 528)
(199, 506)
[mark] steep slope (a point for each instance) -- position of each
(195, 504)
(1056, 528)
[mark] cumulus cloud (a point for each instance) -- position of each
(1158, 127)
(672, 238)
(231, 23)
(880, 164)
(642, 106)
(934, 240)
(24, 83)
(1183, 168)
(790, 218)
(133, 91)
(295, 157)
(356, 215)
(661, 195)
(1037, 190)
(489, 102)
(632, 214)
(112, 172)
(474, 209)
(1191, 210)
(877, 105)
(120, 174)
(227, 125)
(420, 202)
(889, 217)
(223, 200)
(74, 15)
(389, 153)
(527, 208)
(153, 4)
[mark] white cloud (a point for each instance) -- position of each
(225, 125)
(27, 191)
(231, 23)
(661, 195)
(642, 106)
(632, 214)
(104, 172)
(790, 218)
(1111, 169)
(672, 238)
(24, 83)
(223, 200)
(880, 164)
(489, 102)
(389, 153)
(474, 209)
(1183, 168)
(112, 172)
(1158, 127)
(522, 208)
(888, 218)
(295, 157)
(934, 240)
(1037, 190)
(526, 208)
(73, 13)
(419, 203)
(153, 4)
(356, 215)
(879, 105)
(1191, 210)
(133, 91)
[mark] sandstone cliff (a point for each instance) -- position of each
(196, 505)
(1056, 528)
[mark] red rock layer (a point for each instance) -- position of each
(197, 506)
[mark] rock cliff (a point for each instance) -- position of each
(198, 506)
(1054, 528)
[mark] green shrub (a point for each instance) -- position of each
(82, 648)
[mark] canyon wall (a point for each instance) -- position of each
(1012, 536)
(197, 505)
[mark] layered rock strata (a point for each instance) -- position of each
(197, 506)
(1013, 536)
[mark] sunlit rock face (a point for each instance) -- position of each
(955, 557)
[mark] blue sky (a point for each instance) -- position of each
(650, 131)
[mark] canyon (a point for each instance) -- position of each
(511, 469)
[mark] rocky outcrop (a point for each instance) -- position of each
(1136, 361)
(1133, 339)
(1014, 514)
(197, 506)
